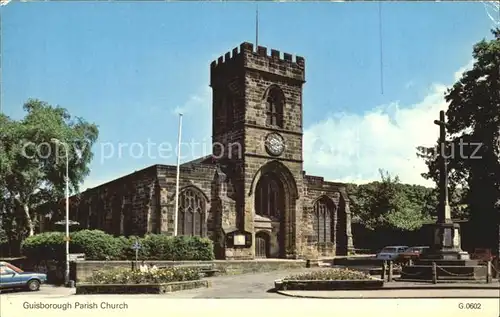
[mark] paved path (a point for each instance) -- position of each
(257, 285)
(397, 293)
(260, 285)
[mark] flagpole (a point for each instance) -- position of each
(177, 177)
(256, 25)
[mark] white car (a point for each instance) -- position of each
(391, 252)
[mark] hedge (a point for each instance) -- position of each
(98, 245)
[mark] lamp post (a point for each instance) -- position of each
(177, 176)
(66, 272)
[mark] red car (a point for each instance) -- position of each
(412, 253)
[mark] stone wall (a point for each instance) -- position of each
(142, 202)
(198, 176)
(124, 206)
(315, 188)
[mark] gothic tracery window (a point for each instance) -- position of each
(274, 107)
(323, 221)
(268, 199)
(191, 216)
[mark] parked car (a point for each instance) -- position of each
(412, 253)
(12, 277)
(391, 252)
(11, 266)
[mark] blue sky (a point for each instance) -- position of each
(129, 66)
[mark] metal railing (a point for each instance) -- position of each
(387, 273)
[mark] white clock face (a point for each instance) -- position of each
(275, 144)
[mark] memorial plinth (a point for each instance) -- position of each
(446, 243)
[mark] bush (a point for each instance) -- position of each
(125, 276)
(192, 248)
(125, 246)
(157, 247)
(44, 246)
(330, 274)
(181, 248)
(98, 245)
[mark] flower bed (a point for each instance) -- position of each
(329, 279)
(152, 281)
(152, 276)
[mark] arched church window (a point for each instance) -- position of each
(268, 198)
(323, 220)
(191, 216)
(274, 107)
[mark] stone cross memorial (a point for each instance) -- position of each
(447, 244)
(445, 259)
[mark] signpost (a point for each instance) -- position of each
(136, 246)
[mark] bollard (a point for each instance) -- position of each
(434, 273)
(488, 272)
(391, 267)
(382, 274)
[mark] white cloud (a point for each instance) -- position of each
(461, 70)
(200, 101)
(351, 147)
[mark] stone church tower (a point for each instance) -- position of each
(257, 102)
(251, 197)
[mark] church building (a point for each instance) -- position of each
(251, 196)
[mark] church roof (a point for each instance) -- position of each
(207, 159)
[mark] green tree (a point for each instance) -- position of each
(33, 166)
(473, 146)
(3, 237)
(426, 198)
(388, 203)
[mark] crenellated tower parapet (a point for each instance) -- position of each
(246, 57)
